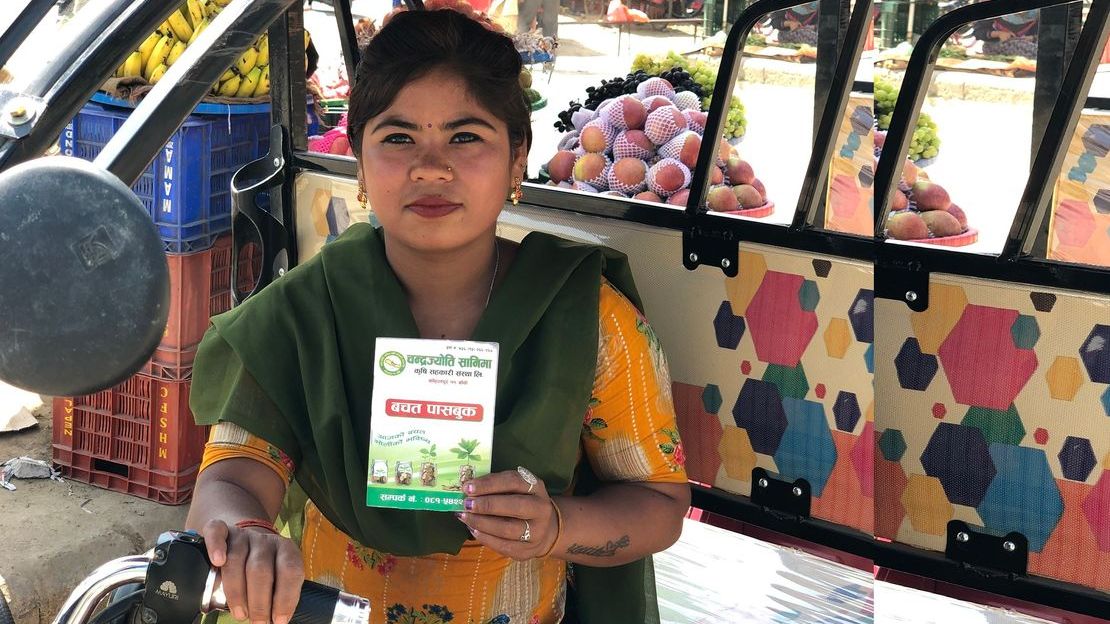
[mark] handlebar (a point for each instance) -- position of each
(319, 604)
(179, 582)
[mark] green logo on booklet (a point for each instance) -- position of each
(392, 363)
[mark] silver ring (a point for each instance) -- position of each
(528, 477)
(526, 536)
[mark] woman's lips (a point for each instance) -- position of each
(431, 208)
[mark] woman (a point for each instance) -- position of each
(1010, 35)
(798, 24)
(587, 463)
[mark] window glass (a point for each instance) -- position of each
(972, 144)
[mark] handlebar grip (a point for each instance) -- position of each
(317, 604)
(320, 604)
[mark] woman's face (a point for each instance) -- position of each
(437, 166)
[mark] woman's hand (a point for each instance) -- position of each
(261, 572)
(512, 513)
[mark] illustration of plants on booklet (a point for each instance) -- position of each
(465, 451)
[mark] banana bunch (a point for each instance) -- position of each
(249, 77)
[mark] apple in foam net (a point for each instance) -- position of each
(679, 198)
(664, 124)
(696, 119)
(589, 167)
(341, 145)
(633, 143)
(655, 86)
(630, 172)
(729, 148)
(685, 148)
(561, 166)
(668, 176)
(654, 102)
(625, 113)
(593, 139)
(716, 176)
(648, 196)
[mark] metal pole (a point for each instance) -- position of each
(909, 20)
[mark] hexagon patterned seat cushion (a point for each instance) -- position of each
(791, 389)
(994, 409)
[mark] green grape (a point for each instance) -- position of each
(925, 139)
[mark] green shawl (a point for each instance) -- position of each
(308, 341)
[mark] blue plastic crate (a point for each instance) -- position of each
(187, 189)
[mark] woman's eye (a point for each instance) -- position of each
(465, 137)
(397, 139)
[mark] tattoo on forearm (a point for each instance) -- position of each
(608, 550)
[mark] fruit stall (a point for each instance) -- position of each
(638, 137)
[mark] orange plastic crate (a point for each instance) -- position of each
(138, 437)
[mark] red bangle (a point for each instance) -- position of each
(269, 526)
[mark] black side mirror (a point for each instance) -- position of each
(84, 285)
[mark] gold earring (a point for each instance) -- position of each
(361, 196)
(517, 193)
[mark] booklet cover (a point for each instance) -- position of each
(431, 421)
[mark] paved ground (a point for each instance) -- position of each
(53, 534)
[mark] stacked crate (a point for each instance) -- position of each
(139, 436)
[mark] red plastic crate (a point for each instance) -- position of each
(187, 322)
(161, 487)
(200, 287)
(138, 437)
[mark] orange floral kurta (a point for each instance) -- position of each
(628, 434)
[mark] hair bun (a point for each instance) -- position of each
(459, 6)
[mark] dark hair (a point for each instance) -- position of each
(415, 43)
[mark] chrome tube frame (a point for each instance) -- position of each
(108, 577)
